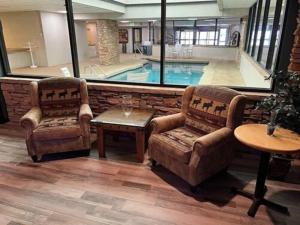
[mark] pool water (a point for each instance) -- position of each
(175, 73)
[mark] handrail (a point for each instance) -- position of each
(138, 51)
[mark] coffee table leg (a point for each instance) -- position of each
(101, 149)
(140, 145)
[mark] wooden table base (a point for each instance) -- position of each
(100, 142)
(260, 189)
(140, 142)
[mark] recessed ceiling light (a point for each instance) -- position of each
(124, 21)
(192, 18)
(152, 21)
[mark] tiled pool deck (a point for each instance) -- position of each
(217, 72)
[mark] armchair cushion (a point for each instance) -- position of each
(57, 128)
(208, 108)
(177, 143)
(59, 98)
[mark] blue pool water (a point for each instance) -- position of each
(175, 73)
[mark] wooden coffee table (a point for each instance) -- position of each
(115, 120)
(282, 142)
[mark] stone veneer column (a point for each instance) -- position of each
(295, 54)
(108, 42)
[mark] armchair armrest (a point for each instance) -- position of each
(212, 141)
(165, 123)
(85, 114)
(31, 119)
(211, 154)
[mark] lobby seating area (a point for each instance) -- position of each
(165, 112)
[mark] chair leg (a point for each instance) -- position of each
(153, 163)
(35, 159)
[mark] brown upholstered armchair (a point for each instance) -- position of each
(59, 118)
(198, 142)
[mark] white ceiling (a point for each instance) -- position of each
(86, 6)
(45, 5)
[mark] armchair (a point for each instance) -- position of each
(59, 118)
(198, 142)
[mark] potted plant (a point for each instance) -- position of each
(284, 108)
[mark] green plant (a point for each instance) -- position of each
(284, 104)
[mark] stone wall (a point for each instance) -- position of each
(295, 54)
(108, 42)
(102, 96)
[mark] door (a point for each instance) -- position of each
(137, 40)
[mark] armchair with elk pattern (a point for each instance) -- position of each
(59, 118)
(198, 142)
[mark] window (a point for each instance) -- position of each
(206, 37)
(264, 28)
(185, 37)
(228, 32)
(31, 44)
(206, 33)
(139, 43)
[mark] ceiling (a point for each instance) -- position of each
(46, 5)
(100, 6)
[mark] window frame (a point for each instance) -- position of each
(75, 62)
(278, 57)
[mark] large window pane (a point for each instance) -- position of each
(259, 31)
(205, 50)
(115, 48)
(36, 36)
(206, 28)
(252, 32)
(268, 34)
(228, 31)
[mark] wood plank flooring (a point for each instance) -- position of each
(89, 191)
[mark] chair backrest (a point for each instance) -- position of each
(60, 96)
(209, 108)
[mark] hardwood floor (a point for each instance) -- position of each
(89, 191)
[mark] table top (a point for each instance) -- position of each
(115, 116)
(283, 141)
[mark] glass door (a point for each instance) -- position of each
(137, 40)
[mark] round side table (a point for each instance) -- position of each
(283, 141)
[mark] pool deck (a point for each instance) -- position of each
(217, 72)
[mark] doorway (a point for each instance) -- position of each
(136, 39)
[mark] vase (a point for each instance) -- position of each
(271, 128)
(127, 104)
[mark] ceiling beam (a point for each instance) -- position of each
(112, 6)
